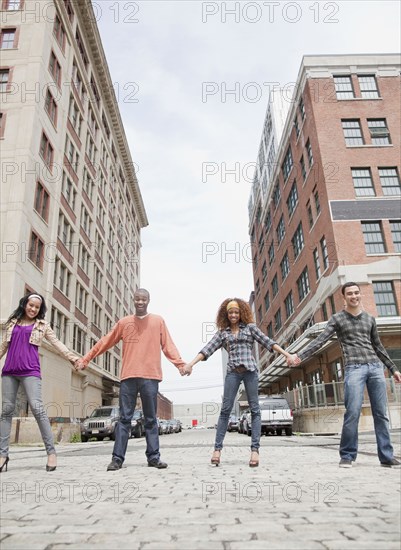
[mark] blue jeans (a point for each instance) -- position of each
(33, 389)
(356, 376)
(231, 385)
(129, 390)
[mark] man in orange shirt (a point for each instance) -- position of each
(144, 335)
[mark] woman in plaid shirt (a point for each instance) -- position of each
(237, 334)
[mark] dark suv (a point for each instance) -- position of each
(138, 424)
(103, 420)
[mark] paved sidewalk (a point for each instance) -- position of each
(297, 499)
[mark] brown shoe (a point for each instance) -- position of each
(216, 457)
(254, 461)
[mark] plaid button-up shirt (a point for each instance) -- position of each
(239, 347)
(358, 338)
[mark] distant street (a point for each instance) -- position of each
(297, 499)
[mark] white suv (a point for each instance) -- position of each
(276, 416)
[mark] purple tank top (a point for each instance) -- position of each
(22, 357)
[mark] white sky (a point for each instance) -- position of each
(160, 64)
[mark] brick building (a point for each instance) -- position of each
(331, 212)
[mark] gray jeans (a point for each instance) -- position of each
(33, 389)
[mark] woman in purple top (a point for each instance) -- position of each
(25, 330)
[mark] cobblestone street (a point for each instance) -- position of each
(297, 499)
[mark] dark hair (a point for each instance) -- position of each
(245, 311)
(346, 285)
(143, 291)
(20, 311)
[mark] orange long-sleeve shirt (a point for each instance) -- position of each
(142, 341)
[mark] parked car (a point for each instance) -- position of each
(165, 426)
(247, 423)
(276, 415)
(138, 424)
(159, 426)
(233, 424)
(241, 423)
(101, 423)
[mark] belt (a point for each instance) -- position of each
(240, 370)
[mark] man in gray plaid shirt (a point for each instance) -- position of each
(364, 355)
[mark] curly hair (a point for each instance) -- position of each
(246, 316)
(20, 311)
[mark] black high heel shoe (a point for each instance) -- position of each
(50, 468)
(5, 465)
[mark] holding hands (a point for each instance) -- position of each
(79, 365)
(293, 360)
(186, 370)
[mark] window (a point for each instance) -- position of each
(260, 314)
(51, 107)
(363, 183)
(344, 88)
(8, 39)
(332, 304)
(58, 322)
(270, 331)
(59, 32)
(36, 250)
(301, 107)
(324, 312)
(81, 49)
(368, 86)
(325, 254)
(310, 215)
(296, 125)
(385, 298)
(2, 124)
(92, 124)
(260, 244)
(280, 229)
(88, 185)
(379, 131)
(74, 114)
(317, 202)
(91, 150)
(303, 169)
(107, 361)
(46, 151)
(61, 277)
(276, 194)
(390, 181)
(81, 298)
(277, 320)
(285, 266)
(373, 235)
(271, 253)
(268, 222)
(396, 233)
(316, 261)
(292, 200)
(41, 204)
(309, 153)
(264, 271)
(298, 241)
(257, 286)
(55, 68)
(352, 132)
(289, 305)
(105, 125)
(70, 11)
(68, 191)
(78, 341)
(4, 79)
(95, 314)
(287, 164)
(83, 257)
(86, 222)
(71, 153)
(78, 82)
(275, 285)
(98, 278)
(100, 213)
(267, 300)
(303, 284)
(65, 232)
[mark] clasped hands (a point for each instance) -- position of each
(293, 360)
(186, 370)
